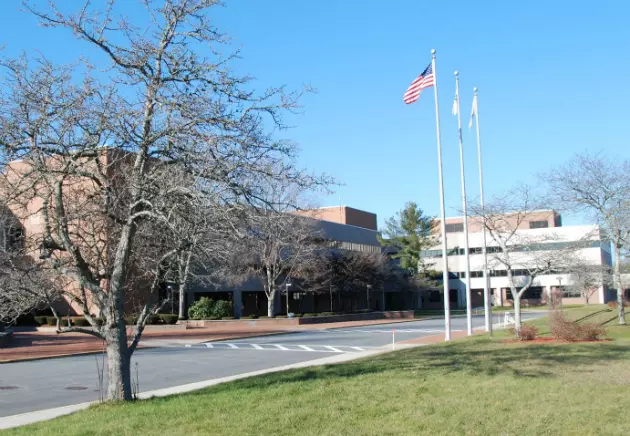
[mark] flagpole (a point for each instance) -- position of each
(464, 208)
(447, 303)
(486, 290)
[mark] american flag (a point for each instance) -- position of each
(424, 80)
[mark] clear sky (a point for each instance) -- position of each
(552, 77)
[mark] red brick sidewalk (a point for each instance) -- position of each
(38, 345)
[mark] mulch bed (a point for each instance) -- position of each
(551, 341)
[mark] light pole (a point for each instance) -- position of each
(368, 287)
(288, 285)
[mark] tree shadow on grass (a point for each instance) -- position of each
(477, 357)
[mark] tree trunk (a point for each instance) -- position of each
(621, 315)
(182, 298)
(517, 311)
(271, 303)
(118, 366)
(271, 295)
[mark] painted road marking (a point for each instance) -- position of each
(314, 348)
(389, 331)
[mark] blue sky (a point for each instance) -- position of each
(551, 74)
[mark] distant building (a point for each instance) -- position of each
(592, 248)
(343, 215)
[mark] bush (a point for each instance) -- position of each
(131, 319)
(613, 304)
(51, 320)
(563, 329)
(528, 332)
(201, 309)
(167, 318)
(222, 309)
(79, 321)
(25, 320)
(153, 319)
(308, 315)
(592, 332)
(227, 317)
(40, 320)
(251, 317)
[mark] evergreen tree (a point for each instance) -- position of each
(409, 232)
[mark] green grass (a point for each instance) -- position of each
(477, 386)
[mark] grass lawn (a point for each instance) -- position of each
(477, 386)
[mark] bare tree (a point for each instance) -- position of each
(600, 187)
(337, 270)
(521, 254)
(275, 244)
(586, 279)
(89, 156)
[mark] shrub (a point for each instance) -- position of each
(51, 320)
(251, 317)
(613, 304)
(327, 314)
(79, 321)
(25, 320)
(167, 318)
(227, 317)
(528, 332)
(563, 329)
(153, 319)
(131, 319)
(308, 315)
(592, 332)
(222, 309)
(40, 320)
(201, 309)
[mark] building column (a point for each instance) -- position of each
(601, 295)
(237, 301)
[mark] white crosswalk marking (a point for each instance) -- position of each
(313, 348)
(388, 331)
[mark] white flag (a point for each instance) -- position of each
(473, 112)
(455, 109)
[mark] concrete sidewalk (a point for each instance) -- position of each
(32, 345)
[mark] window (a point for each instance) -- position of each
(455, 227)
(538, 224)
(476, 250)
(476, 274)
(533, 293)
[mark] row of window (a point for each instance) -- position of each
(497, 273)
(459, 227)
(516, 248)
